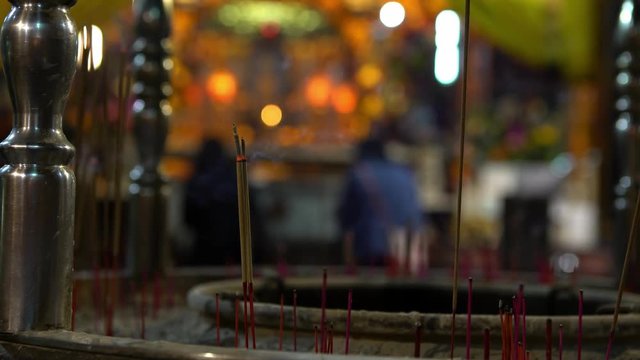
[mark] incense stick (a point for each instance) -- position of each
(469, 300)
(217, 319)
(281, 322)
(330, 339)
(580, 311)
(560, 342)
(524, 324)
(347, 335)
(237, 303)
(295, 320)
(463, 115)
(245, 314)
(416, 347)
(323, 305)
(549, 339)
(623, 274)
(487, 344)
(252, 316)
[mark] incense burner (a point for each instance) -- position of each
(385, 313)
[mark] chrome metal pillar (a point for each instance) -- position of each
(151, 88)
(39, 45)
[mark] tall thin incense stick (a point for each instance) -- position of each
(469, 300)
(580, 311)
(463, 121)
(347, 335)
(252, 316)
(623, 274)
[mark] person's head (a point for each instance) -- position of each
(371, 148)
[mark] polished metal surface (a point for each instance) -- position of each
(39, 46)
(151, 109)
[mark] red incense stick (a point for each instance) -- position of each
(549, 339)
(156, 295)
(348, 330)
(560, 343)
(281, 321)
(323, 300)
(524, 324)
(74, 305)
(487, 344)
(237, 303)
(246, 315)
(469, 299)
(580, 311)
(330, 339)
(217, 319)
(253, 318)
(143, 305)
(610, 344)
(416, 348)
(516, 312)
(295, 320)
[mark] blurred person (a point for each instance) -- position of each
(211, 209)
(380, 215)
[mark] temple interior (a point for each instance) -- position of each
(262, 179)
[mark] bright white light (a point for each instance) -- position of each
(447, 65)
(447, 58)
(95, 53)
(392, 14)
(626, 13)
(447, 28)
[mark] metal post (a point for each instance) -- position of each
(39, 46)
(151, 88)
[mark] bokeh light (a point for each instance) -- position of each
(271, 115)
(222, 86)
(392, 14)
(318, 91)
(344, 99)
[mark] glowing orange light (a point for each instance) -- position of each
(222, 86)
(318, 91)
(271, 115)
(344, 99)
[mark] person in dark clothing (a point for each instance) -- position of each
(379, 202)
(211, 208)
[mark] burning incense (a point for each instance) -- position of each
(281, 321)
(549, 339)
(323, 299)
(487, 344)
(623, 274)
(560, 342)
(416, 348)
(295, 320)
(580, 311)
(348, 330)
(469, 299)
(217, 319)
(463, 116)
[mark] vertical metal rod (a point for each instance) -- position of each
(39, 47)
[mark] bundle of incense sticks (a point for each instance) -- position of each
(244, 219)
